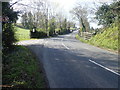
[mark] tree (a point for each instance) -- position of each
(44, 16)
(24, 20)
(64, 25)
(52, 26)
(108, 14)
(81, 14)
(28, 20)
(8, 37)
(103, 15)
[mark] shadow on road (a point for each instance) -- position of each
(65, 68)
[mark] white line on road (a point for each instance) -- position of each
(104, 67)
(64, 44)
(61, 39)
(46, 42)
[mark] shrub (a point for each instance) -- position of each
(9, 17)
(8, 36)
(38, 34)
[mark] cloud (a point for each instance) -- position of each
(4, 0)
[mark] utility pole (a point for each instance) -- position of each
(47, 24)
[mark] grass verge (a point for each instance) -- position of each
(81, 39)
(22, 34)
(108, 39)
(21, 70)
(112, 49)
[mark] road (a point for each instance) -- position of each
(69, 63)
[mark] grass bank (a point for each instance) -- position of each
(81, 39)
(21, 70)
(22, 34)
(108, 39)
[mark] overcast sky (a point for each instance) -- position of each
(67, 5)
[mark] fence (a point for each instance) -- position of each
(85, 35)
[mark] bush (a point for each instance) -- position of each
(8, 36)
(9, 17)
(38, 34)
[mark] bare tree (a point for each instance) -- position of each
(81, 14)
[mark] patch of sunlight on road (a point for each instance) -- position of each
(73, 60)
(57, 59)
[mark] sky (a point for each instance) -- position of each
(67, 5)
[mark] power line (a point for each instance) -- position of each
(15, 3)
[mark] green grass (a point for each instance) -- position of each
(81, 39)
(107, 39)
(22, 34)
(21, 69)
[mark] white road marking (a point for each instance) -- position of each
(61, 39)
(64, 44)
(46, 42)
(104, 67)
